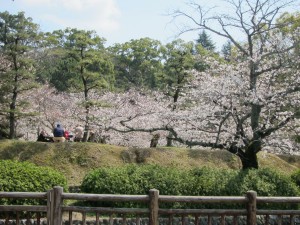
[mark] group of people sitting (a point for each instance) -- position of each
(61, 135)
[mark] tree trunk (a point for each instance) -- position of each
(175, 100)
(169, 140)
(87, 106)
(11, 125)
(249, 160)
(247, 155)
(12, 115)
(86, 134)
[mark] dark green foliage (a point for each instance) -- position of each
(265, 182)
(137, 63)
(4, 128)
(296, 177)
(178, 59)
(19, 38)
(227, 51)
(208, 181)
(297, 138)
(205, 41)
(27, 177)
(135, 179)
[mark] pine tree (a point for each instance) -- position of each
(205, 41)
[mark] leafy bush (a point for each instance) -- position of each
(134, 179)
(296, 177)
(265, 182)
(27, 177)
(208, 181)
(139, 179)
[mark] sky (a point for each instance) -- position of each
(118, 21)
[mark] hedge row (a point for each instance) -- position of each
(26, 177)
(137, 179)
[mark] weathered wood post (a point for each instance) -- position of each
(49, 206)
(153, 206)
(56, 215)
(251, 207)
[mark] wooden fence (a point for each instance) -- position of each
(57, 205)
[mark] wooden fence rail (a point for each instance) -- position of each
(57, 205)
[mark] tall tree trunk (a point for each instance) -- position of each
(175, 100)
(12, 122)
(12, 108)
(249, 160)
(248, 156)
(87, 123)
(87, 109)
(86, 133)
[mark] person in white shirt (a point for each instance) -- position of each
(78, 133)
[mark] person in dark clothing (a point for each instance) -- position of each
(42, 137)
(58, 134)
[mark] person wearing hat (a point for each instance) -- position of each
(58, 134)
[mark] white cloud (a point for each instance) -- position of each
(99, 15)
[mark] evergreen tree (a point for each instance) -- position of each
(19, 37)
(137, 63)
(86, 65)
(205, 41)
(226, 50)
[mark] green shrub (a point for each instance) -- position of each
(26, 177)
(265, 182)
(208, 181)
(296, 177)
(134, 179)
(139, 179)
(168, 180)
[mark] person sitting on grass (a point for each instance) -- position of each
(58, 134)
(79, 131)
(42, 137)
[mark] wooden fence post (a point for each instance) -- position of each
(153, 206)
(49, 207)
(56, 200)
(251, 207)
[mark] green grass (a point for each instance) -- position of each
(75, 159)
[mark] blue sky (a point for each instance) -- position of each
(117, 21)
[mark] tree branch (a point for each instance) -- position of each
(269, 131)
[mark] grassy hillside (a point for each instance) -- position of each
(76, 159)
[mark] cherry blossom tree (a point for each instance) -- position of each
(141, 112)
(47, 108)
(107, 118)
(265, 65)
(246, 105)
